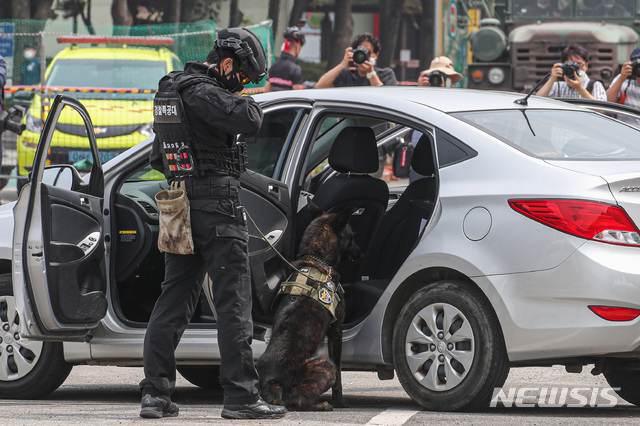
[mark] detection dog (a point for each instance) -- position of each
(310, 306)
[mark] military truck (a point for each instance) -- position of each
(517, 46)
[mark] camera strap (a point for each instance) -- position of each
(623, 97)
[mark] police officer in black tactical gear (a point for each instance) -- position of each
(285, 73)
(197, 115)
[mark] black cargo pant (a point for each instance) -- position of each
(221, 249)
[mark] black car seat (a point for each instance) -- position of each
(401, 225)
(353, 154)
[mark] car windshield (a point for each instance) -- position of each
(559, 134)
(107, 73)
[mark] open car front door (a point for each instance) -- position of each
(59, 275)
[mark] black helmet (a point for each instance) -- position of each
(247, 49)
(294, 34)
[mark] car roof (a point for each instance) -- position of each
(121, 52)
(447, 100)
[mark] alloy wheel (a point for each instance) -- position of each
(18, 356)
(439, 347)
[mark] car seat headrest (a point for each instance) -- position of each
(422, 157)
(354, 150)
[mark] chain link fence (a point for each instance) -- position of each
(120, 98)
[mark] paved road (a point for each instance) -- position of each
(109, 395)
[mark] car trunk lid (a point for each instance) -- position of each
(623, 178)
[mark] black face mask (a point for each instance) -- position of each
(232, 84)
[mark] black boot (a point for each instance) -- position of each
(257, 410)
(156, 407)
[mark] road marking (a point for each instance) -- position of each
(393, 417)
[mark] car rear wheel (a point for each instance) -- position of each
(204, 376)
(28, 369)
(448, 348)
(628, 381)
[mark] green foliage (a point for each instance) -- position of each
(312, 71)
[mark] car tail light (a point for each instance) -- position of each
(585, 219)
(614, 313)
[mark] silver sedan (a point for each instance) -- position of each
(496, 233)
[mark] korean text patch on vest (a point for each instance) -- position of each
(166, 110)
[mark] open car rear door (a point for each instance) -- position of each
(59, 275)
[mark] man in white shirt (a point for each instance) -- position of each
(563, 85)
(625, 88)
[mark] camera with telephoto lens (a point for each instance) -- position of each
(7, 120)
(635, 70)
(436, 78)
(360, 55)
(569, 69)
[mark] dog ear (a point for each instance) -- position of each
(313, 209)
(342, 219)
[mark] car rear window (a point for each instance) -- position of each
(559, 134)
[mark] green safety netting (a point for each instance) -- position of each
(191, 40)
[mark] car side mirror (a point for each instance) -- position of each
(23, 98)
(62, 176)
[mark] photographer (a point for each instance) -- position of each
(440, 73)
(625, 88)
(571, 77)
(357, 67)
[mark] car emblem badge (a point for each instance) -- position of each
(324, 295)
(441, 347)
(630, 189)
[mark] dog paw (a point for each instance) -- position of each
(324, 406)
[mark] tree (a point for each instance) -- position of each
(427, 36)
(342, 32)
(121, 14)
(299, 7)
(31, 9)
(73, 9)
(235, 14)
(274, 13)
(390, 14)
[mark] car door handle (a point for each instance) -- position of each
(84, 202)
(274, 190)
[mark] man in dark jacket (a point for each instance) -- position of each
(358, 66)
(285, 73)
(206, 97)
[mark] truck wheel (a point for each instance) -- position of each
(28, 369)
(628, 381)
(205, 376)
(448, 348)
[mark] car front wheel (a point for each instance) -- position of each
(448, 348)
(28, 369)
(204, 376)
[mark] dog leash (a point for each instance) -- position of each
(283, 258)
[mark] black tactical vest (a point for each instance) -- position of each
(182, 157)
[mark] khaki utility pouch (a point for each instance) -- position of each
(175, 220)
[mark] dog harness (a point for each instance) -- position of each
(313, 283)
